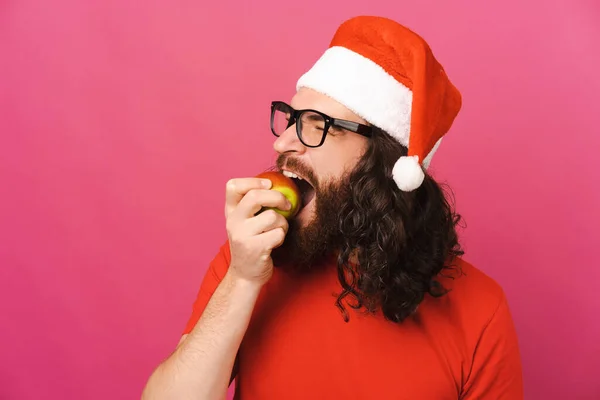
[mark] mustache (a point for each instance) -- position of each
(288, 162)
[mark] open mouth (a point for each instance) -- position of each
(306, 189)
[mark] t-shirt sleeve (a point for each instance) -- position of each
(496, 370)
(214, 274)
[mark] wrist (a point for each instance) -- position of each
(238, 280)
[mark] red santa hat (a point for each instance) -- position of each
(387, 74)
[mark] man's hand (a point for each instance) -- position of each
(252, 237)
(202, 364)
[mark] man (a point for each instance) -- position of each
(364, 294)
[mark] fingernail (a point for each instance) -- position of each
(266, 183)
(288, 205)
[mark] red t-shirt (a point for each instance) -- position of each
(297, 346)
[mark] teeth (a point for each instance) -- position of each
(290, 174)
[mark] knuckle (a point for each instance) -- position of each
(281, 221)
(280, 235)
(253, 196)
(231, 185)
(271, 216)
(250, 196)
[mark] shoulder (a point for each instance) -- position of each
(473, 299)
(469, 284)
(482, 324)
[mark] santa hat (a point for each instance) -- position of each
(387, 74)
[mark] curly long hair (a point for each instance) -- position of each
(393, 244)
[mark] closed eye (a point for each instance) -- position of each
(335, 130)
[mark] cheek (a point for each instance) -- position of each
(329, 168)
(338, 158)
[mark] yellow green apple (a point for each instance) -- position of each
(288, 188)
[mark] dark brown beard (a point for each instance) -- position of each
(305, 247)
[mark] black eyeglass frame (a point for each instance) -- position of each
(295, 115)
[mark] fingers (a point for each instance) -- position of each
(273, 238)
(236, 189)
(256, 199)
(267, 221)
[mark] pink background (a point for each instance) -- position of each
(121, 121)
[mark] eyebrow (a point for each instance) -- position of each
(315, 117)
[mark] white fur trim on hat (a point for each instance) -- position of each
(364, 87)
(407, 173)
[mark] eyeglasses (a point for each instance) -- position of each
(311, 125)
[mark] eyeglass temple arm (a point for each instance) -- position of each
(352, 126)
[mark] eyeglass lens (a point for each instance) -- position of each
(310, 124)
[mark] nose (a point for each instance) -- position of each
(288, 142)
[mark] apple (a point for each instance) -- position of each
(288, 188)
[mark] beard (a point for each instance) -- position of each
(307, 246)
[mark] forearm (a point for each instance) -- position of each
(201, 366)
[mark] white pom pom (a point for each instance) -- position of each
(407, 173)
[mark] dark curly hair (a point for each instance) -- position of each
(394, 244)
